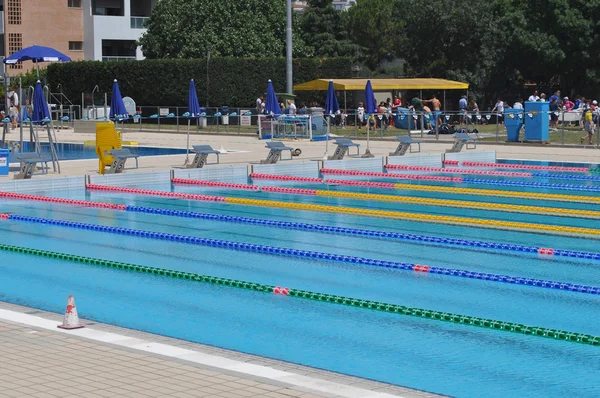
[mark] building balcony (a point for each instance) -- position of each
(117, 58)
(138, 22)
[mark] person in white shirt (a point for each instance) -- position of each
(534, 97)
(360, 114)
(499, 107)
(292, 107)
(518, 104)
(259, 104)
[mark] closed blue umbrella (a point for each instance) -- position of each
(272, 106)
(370, 101)
(117, 107)
(37, 54)
(331, 103)
(370, 109)
(194, 113)
(193, 105)
(40, 113)
(331, 107)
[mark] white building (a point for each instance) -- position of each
(343, 4)
(111, 28)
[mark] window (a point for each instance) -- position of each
(114, 8)
(74, 3)
(15, 43)
(118, 50)
(75, 46)
(14, 12)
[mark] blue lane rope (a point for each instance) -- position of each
(506, 183)
(281, 251)
(566, 177)
(363, 232)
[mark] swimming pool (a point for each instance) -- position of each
(427, 354)
(68, 151)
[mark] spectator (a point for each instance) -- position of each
(427, 116)
(542, 97)
(474, 108)
(462, 108)
(534, 97)
(556, 96)
(518, 104)
(578, 102)
(567, 104)
(259, 105)
(360, 113)
(303, 109)
(292, 107)
(499, 107)
(13, 112)
(437, 110)
(588, 126)
(554, 114)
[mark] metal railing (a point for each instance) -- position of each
(118, 58)
(487, 126)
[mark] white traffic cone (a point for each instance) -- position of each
(71, 320)
(222, 149)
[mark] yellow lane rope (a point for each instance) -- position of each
(500, 193)
(554, 211)
(429, 218)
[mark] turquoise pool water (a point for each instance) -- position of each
(67, 151)
(429, 355)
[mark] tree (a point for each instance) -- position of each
(456, 39)
(556, 38)
(376, 28)
(239, 28)
(324, 29)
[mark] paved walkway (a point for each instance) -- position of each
(248, 149)
(39, 360)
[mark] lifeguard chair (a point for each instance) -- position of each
(107, 139)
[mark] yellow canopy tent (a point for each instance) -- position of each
(382, 84)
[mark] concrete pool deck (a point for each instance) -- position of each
(248, 150)
(38, 360)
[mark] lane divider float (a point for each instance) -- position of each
(465, 180)
(435, 188)
(375, 174)
(560, 212)
(442, 241)
(562, 335)
(418, 217)
(458, 171)
(307, 254)
(518, 166)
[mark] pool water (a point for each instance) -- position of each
(67, 151)
(429, 355)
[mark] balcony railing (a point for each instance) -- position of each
(138, 22)
(118, 58)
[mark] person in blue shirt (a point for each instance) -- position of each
(462, 108)
(555, 96)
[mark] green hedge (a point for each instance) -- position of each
(233, 81)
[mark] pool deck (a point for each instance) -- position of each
(39, 360)
(248, 150)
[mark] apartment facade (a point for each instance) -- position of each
(111, 28)
(52, 23)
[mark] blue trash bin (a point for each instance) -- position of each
(4, 153)
(513, 120)
(538, 124)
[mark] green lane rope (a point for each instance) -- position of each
(329, 298)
